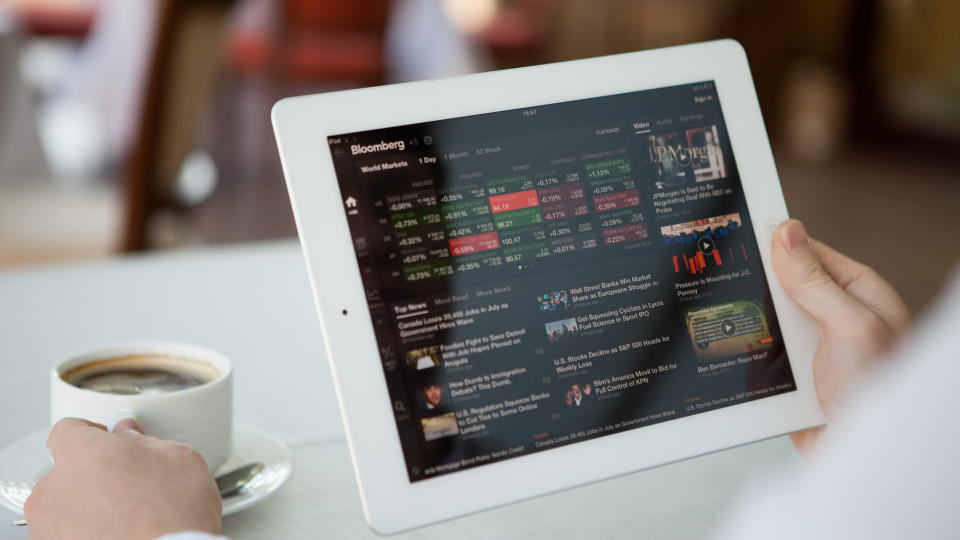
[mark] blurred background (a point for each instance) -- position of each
(128, 126)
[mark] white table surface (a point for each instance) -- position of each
(253, 303)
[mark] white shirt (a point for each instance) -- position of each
(888, 468)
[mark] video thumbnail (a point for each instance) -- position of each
(726, 329)
(554, 301)
(423, 358)
(557, 330)
(437, 427)
(687, 156)
(702, 243)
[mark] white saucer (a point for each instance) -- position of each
(24, 461)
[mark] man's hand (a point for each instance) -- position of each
(120, 485)
(858, 313)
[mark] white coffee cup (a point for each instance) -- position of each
(200, 416)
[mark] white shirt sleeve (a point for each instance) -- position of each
(191, 535)
(888, 469)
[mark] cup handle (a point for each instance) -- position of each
(118, 415)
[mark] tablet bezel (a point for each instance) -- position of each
(391, 503)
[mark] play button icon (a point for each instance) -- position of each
(728, 327)
(706, 245)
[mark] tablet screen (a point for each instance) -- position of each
(544, 276)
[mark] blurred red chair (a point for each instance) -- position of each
(518, 34)
(332, 40)
(55, 19)
(317, 41)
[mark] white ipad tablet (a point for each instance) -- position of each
(537, 278)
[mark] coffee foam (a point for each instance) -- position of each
(177, 364)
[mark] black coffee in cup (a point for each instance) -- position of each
(141, 374)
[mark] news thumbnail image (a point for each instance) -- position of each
(423, 358)
(578, 395)
(554, 301)
(438, 427)
(686, 156)
(727, 329)
(694, 246)
(558, 330)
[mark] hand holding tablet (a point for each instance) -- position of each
(858, 313)
(558, 268)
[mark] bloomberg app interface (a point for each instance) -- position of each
(549, 275)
